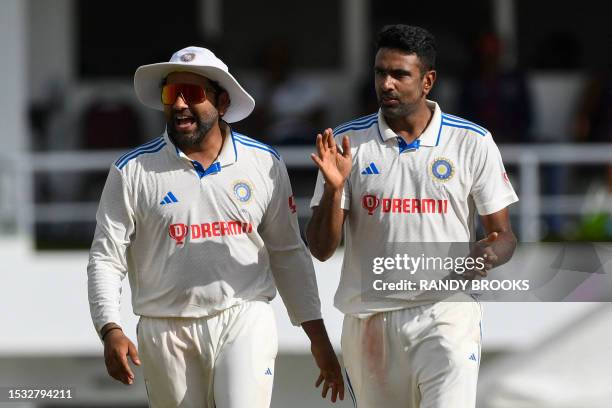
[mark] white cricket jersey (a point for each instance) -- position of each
(197, 241)
(426, 191)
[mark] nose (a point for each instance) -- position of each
(387, 83)
(179, 103)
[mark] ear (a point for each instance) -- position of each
(428, 81)
(223, 102)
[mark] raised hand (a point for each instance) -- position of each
(335, 165)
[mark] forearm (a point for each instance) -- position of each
(296, 282)
(324, 230)
(315, 330)
(104, 293)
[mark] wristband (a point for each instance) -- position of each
(110, 330)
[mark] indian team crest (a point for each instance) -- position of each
(243, 191)
(442, 169)
(187, 57)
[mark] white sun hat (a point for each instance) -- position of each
(201, 61)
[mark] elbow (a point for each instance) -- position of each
(321, 254)
(320, 249)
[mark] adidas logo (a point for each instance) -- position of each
(371, 169)
(473, 357)
(168, 199)
(268, 371)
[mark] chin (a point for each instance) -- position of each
(391, 112)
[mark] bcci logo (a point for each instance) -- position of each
(442, 169)
(178, 232)
(370, 202)
(243, 191)
(187, 57)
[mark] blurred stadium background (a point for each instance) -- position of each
(537, 74)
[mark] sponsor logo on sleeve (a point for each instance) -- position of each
(292, 205)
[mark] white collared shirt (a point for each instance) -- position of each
(197, 241)
(428, 191)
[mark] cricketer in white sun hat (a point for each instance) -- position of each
(202, 61)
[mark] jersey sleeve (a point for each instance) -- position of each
(107, 265)
(290, 261)
(345, 200)
(491, 188)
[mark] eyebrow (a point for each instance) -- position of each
(392, 71)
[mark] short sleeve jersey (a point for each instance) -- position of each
(426, 191)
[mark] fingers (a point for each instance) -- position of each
(346, 147)
(115, 358)
(321, 146)
(492, 237)
(329, 136)
(325, 389)
(333, 382)
(317, 160)
(133, 353)
(319, 380)
(126, 374)
(337, 391)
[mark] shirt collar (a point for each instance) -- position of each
(429, 137)
(227, 156)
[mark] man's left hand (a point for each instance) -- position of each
(483, 249)
(331, 374)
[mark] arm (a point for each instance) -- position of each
(325, 227)
(492, 194)
(498, 246)
(106, 269)
(497, 225)
(326, 359)
(295, 278)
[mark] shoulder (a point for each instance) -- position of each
(148, 149)
(359, 130)
(252, 147)
(460, 126)
(356, 125)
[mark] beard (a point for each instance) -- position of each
(204, 123)
(404, 107)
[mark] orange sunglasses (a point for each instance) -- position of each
(192, 94)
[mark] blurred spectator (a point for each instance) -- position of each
(594, 117)
(107, 124)
(497, 99)
(594, 125)
(290, 108)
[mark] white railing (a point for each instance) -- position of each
(528, 159)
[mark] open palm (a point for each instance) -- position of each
(335, 165)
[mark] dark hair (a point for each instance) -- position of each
(411, 40)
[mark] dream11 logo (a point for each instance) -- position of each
(178, 232)
(370, 202)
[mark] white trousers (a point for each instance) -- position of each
(223, 361)
(421, 357)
